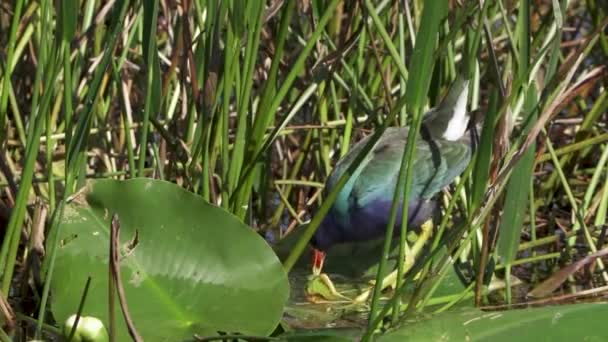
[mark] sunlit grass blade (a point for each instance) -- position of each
(153, 86)
(516, 200)
(257, 139)
(7, 72)
(417, 86)
(10, 245)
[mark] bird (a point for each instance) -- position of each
(362, 208)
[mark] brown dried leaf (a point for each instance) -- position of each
(556, 280)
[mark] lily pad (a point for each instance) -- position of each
(194, 269)
(581, 322)
(584, 322)
(322, 335)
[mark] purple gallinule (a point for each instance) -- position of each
(362, 208)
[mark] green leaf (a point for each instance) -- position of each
(516, 201)
(523, 28)
(69, 19)
(423, 56)
(195, 268)
(552, 323)
(481, 172)
(149, 29)
(322, 335)
(240, 16)
(156, 91)
(153, 82)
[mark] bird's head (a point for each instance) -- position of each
(322, 240)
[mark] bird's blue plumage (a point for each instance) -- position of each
(362, 208)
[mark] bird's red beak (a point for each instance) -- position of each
(318, 257)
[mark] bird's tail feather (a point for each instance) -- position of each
(459, 89)
(450, 119)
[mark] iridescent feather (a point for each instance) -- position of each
(362, 208)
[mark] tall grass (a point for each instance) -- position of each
(250, 103)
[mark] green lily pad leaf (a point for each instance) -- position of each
(187, 266)
(584, 322)
(322, 335)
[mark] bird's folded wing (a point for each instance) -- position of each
(378, 178)
(436, 164)
(440, 164)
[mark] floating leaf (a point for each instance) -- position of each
(195, 268)
(552, 323)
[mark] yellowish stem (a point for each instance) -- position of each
(410, 258)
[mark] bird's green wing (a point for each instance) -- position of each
(436, 164)
(341, 205)
(378, 178)
(345, 162)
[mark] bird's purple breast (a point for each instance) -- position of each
(368, 223)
